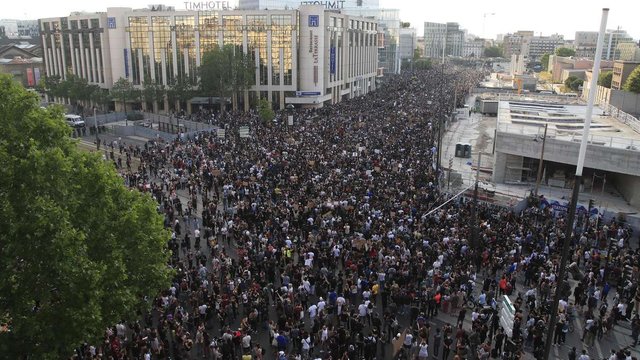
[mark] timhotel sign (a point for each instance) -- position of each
(207, 5)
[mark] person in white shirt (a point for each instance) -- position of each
(321, 305)
(313, 311)
(423, 351)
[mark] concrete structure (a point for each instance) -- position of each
(443, 37)
(531, 47)
(161, 44)
(518, 64)
(585, 44)
(613, 148)
(621, 71)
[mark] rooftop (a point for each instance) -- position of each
(565, 122)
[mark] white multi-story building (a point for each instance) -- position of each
(408, 43)
(473, 47)
(586, 41)
(305, 56)
(443, 38)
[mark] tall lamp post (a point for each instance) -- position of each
(540, 166)
(571, 211)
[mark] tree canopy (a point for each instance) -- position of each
(565, 52)
(493, 51)
(79, 251)
(123, 90)
(633, 81)
(544, 61)
(604, 79)
(573, 83)
(224, 71)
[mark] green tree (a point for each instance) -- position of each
(124, 91)
(79, 251)
(100, 98)
(604, 79)
(265, 111)
(573, 82)
(633, 81)
(422, 64)
(180, 90)
(152, 92)
(225, 71)
(565, 52)
(544, 61)
(493, 51)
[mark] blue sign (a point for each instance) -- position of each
(314, 20)
(126, 63)
(111, 22)
(332, 60)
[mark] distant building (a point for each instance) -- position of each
(557, 65)
(473, 47)
(443, 38)
(585, 44)
(531, 47)
(294, 4)
(19, 60)
(408, 42)
(512, 43)
(628, 51)
(19, 29)
(621, 71)
(308, 57)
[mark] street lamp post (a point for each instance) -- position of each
(540, 166)
(290, 109)
(571, 211)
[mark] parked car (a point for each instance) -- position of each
(74, 121)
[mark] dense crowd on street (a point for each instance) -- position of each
(328, 239)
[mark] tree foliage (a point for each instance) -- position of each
(633, 81)
(573, 82)
(180, 90)
(123, 91)
(493, 51)
(565, 52)
(79, 251)
(604, 79)
(152, 91)
(265, 111)
(544, 61)
(422, 64)
(225, 71)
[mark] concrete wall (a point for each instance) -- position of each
(628, 187)
(566, 152)
(625, 101)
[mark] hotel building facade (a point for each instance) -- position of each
(307, 56)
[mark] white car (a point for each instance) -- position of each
(74, 121)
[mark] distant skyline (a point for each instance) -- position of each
(482, 18)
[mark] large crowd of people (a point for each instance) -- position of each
(328, 240)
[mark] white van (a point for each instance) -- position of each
(74, 120)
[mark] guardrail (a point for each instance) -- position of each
(623, 117)
(571, 136)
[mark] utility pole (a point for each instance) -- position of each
(540, 166)
(571, 211)
(474, 209)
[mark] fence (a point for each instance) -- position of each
(623, 117)
(105, 118)
(572, 136)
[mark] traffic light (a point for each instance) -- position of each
(591, 205)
